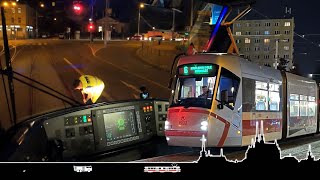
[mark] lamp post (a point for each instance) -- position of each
(140, 7)
(173, 20)
(37, 30)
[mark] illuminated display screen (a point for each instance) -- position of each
(197, 69)
(216, 11)
(119, 125)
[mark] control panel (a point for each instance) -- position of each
(161, 110)
(107, 127)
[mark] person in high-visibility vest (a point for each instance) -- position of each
(91, 88)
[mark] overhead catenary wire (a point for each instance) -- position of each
(37, 82)
(44, 91)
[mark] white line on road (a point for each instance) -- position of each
(94, 51)
(16, 54)
(76, 69)
(133, 88)
(141, 77)
(104, 94)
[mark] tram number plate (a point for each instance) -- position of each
(183, 122)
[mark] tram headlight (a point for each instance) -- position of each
(204, 125)
(167, 138)
(204, 128)
(166, 125)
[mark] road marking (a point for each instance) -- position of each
(141, 77)
(131, 87)
(76, 69)
(94, 51)
(136, 96)
(104, 94)
(16, 54)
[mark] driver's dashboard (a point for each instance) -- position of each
(93, 130)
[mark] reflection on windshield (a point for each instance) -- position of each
(194, 92)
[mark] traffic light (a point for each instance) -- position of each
(90, 27)
(77, 8)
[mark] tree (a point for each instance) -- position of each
(283, 64)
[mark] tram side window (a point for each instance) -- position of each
(229, 82)
(311, 106)
(262, 96)
(303, 105)
(274, 95)
(294, 105)
(267, 96)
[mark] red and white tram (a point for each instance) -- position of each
(238, 94)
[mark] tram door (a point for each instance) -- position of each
(228, 110)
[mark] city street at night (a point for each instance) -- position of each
(57, 63)
(87, 82)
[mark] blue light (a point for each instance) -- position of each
(216, 28)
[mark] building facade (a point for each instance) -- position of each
(260, 40)
(20, 20)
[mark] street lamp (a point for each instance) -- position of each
(173, 19)
(140, 7)
(37, 31)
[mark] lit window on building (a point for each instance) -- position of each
(287, 24)
(286, 40)
(266, 40)
(286, 48)
(13, 10)
(266, 32)
(53, 4)
(247, 40)
(238, 33)
(19, 10)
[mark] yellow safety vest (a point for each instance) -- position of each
(92, 84)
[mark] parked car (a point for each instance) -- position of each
(61, 36)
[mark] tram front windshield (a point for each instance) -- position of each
(195, 89)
